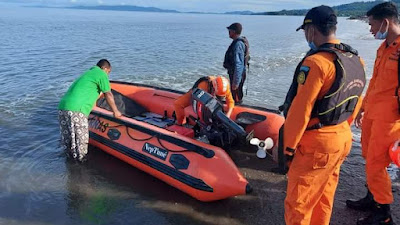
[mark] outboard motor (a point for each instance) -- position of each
(214, 124)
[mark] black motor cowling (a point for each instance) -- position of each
(219, 129)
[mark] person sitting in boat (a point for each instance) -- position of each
(74, 108)
(216, 85)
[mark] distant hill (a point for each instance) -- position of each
(295, 12)
(241, 12)
(355, 9)
(125, 8)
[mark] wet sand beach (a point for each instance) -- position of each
(263, 206)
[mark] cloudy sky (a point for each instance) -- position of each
(199, 5)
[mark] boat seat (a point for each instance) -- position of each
(182, 130)
(128, 107)
(155, 119)
(246, 118)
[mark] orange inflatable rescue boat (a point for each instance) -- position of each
(189, 157)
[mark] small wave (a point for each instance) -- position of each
(277, 61)
(366, 37)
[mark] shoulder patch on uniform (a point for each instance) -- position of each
(302, 75)
(305, 68)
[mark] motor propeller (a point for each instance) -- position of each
(263, 146)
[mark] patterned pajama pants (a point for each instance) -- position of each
(74, 133)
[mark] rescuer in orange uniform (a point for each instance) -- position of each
(380, 115)
(317, 136)
(217, 86)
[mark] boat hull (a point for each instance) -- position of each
(203, 171)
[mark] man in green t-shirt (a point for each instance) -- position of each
(74, 108)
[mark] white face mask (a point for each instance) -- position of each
(379, 35)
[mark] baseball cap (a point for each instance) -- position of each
(320, 16)
(237, 27)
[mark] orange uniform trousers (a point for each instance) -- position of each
(314, 174)
(376, 138)
(180, 104)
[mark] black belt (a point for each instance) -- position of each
(315, 126)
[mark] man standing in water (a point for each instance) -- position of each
(236, 59)
(317, 137)
(74, 108)
(380, 116)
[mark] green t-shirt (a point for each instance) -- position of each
(83, 93)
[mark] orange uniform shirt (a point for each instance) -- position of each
(380, 102)
(319, 79)
(185, 100)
